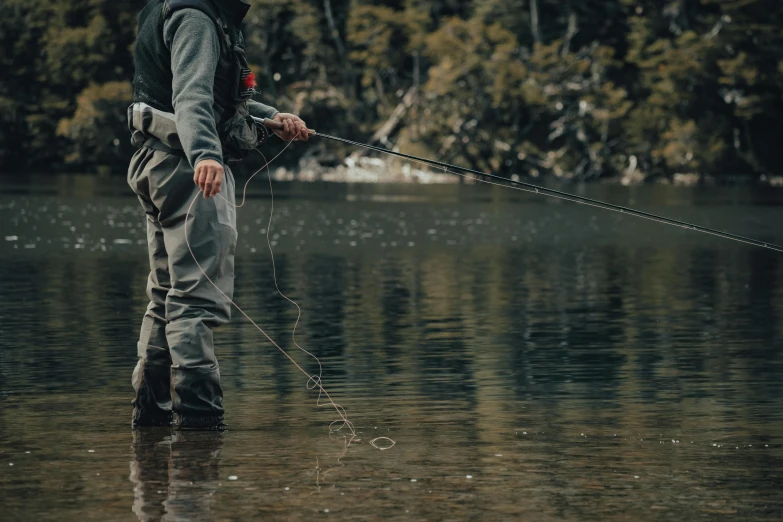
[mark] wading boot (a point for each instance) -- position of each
(197, 396)
(145, 419)
(188, 423)
(152, 405)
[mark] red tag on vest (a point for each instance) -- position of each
(249, 80)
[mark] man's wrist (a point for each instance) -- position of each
(207, 157)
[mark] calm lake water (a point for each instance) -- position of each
(532, 360)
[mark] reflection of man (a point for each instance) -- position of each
(149, 473)
(175, 476)
(191, 112)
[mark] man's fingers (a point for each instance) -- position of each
(217, 184)
(197, 176)
(293, 128)
(208, 176)
(208, 182)
(302, 130)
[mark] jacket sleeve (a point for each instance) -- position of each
(259, 110)
(195, 50)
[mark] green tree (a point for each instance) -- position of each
(60, 49)
(639, 89)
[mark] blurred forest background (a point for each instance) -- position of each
(633, 90)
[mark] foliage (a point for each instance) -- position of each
(91, 131)
(634, 89)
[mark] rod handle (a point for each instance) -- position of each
(276, 125)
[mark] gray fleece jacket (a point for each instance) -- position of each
(193, 41)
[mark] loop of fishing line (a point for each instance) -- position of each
(374, 444)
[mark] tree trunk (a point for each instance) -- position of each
(683, 8)
(333, 32)
(338, 43)
(385, 130)
(379, 90)
(534, 21)
(416, 82)
(570, 32)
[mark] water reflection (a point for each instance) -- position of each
(149, 473)
(553, 370)
(175, 475)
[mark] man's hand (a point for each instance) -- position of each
(293, 127)
(209, 177)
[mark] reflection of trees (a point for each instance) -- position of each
(602, 322)
(395, 306)
(324, 280)
(74, 313)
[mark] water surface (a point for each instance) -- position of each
(532, 361)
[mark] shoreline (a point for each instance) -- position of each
(374, 170)
(370, 170)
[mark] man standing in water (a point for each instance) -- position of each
(191, 112)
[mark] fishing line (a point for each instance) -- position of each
(313, 380)
(535, 189)
(374, 443)
(319, 477)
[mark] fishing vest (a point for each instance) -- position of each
(234, 82)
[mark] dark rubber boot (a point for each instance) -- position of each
(197, 399)
(152, 405)
(190, 423)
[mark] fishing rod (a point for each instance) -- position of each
(536, 189)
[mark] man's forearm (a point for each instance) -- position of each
(195, 51)
(259, 110)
